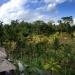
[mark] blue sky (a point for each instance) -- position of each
(31, 10)
(67, 9)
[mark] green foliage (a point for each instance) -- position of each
(41, 46)
(56, 43)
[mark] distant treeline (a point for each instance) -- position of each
(38, 45)
(16, 30)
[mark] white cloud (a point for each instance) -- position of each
(50, 5)
(54, 1)
(16, 9)
(12, 10)
(74, 21)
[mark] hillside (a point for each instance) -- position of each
(44, 47)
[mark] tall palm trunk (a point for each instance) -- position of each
(70, 71)
(65, 71)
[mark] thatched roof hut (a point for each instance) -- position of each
(5, 65)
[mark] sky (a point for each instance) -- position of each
(32, 10)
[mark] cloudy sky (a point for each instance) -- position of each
(31, 10)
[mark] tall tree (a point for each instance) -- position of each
(67, 19)
(1, 33)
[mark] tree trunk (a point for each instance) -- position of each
(65, 71)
